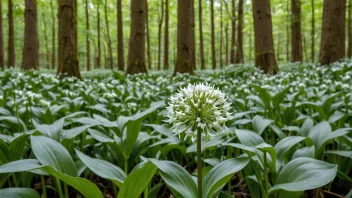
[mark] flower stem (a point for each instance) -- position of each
(199, 162)
(59, 189)
(43, 186)
(266, 180)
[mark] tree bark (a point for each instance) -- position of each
(349, 50)
(184, 53)
(288, 33)
(68, 57)
(264, 45)
(120, 47)
(239, 52)
(166, 36)
(53, 32)
(30, 48)
(2, 57)
(296, 41)
(332, 46)
(213, 55)
(87, 36)
(98, 59)
(313, 31)
(160, 25)
(193, 37)
(111, 60)
(149, 57)
(11, 61)
(136, 51)
(201, 43)
(227, 44)
(233, 33)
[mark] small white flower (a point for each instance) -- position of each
(198, 106)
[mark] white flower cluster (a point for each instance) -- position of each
(198, 106)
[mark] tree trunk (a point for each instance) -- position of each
(213, 56)
(349, 50)
(111, 60)
(201, 44)
(2, 57)
(30, 48)
(264, 45)
(160, 25)
(220, 51)
(68, 60)
(227, 44)
(120, 47)
(149, 57)
(333, 34)
(47, 54)
(166, 36)
(239, 52)
(296, 41)
(313, 31)
(233, 33)
(250, 44)
(136, 51)
(184, 30)
(11, 40)
(98, 59)
(87, 36)
(288, 33)
(53, 31)
(193, 37)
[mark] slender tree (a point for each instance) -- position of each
(313, 31)
(239, 52)
(221, 39)
(87, 36)
(149, 57)
(136, 51)
(98, 58)
(213, 56)
(201, 43)
(288, 32)
(31, 48)
(2, 57)
(183, 60)
(296, 41)
(11, 39)
(233, 33)
(68, 61)
(160, 25)
(193, 37)
(47, 53)
(166, 36)
(120, 52)
(332, 46)
(110, 59)
(349, 50)
(264, 44)
(53, 32)
(227, 43)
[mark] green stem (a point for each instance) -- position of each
(59, 189)
(266, 175)
(43, 186)
(126, 166)
(66, 190)
(199, 162)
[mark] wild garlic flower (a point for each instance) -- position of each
(198, 106)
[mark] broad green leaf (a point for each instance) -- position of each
(286, 144)
(137, 180)
(306, 127)
(86, 121)
(103, 168)
(50, 130)
(264, 95)
(105, 122)
(14, 120)
(51, 153)
(336, 117)
(260, 124)
(84, 186)
(267, 148)
(19, 193)
(5, 154)
(319, 133)
(341, 153)
(99, 136)
(304, 152)
(72, 133)
(221, 174)
(20, 166)
(304, 174)
(316, 107)
(250, 150)
(17, 147)
(161, 129)
(177, 178)
(249, 138)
